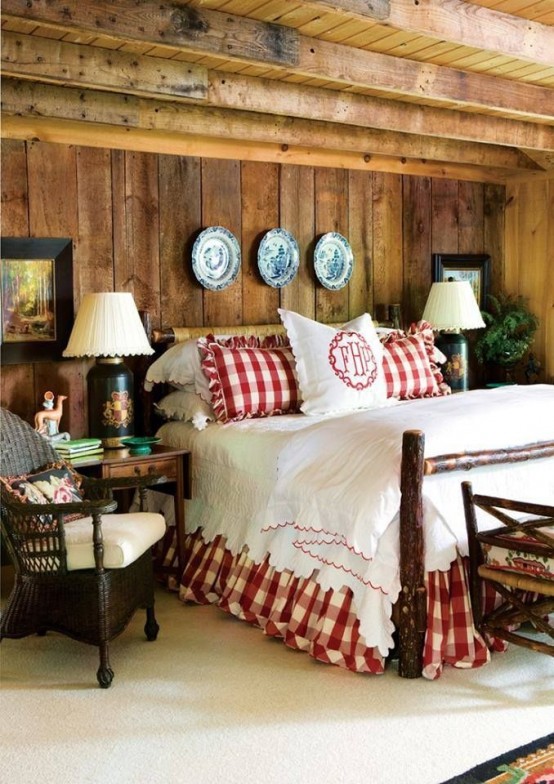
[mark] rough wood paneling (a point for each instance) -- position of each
(260, 212)
(331, 214)
(297, 210)
(93, 246)
(494, 204)
(470, 217)
(388, 273)
(138, 270)
(445, 216)
(529, 227)
(15, 215)
(180, 216)
(52, 185)
(221, 207)
(360, 222)
(417, 240)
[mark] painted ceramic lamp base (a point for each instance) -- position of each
(456, 368)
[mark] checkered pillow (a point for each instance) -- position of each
(408, 372)
(250, 382)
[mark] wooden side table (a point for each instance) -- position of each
(172, 464)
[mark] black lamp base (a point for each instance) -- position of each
(456, 368)
(110, 402)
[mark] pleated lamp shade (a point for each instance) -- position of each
(108, 327)
(451, 307)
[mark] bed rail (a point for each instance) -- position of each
(413, 599)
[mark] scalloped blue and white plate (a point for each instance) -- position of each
(216, 258)
(333, 260)
(278, 257)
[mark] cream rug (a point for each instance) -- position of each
(213, 700)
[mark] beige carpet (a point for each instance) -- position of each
(213, 700)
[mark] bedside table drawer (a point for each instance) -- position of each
(165, 467)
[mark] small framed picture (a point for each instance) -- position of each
(475, 268)
(36, 279)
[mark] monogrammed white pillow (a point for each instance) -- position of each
(338, 369)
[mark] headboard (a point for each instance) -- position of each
(171, 335)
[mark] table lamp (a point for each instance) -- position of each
(451, 307)
(108, 327)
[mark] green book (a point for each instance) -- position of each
(83, 457)
(78, 445)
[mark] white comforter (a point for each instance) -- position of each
(323, 494)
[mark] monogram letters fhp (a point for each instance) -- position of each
(352, 360)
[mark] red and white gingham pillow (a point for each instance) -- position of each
(408, 371)
(250, 381)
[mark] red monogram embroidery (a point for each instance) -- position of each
(352, 360)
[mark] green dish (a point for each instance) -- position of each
(140, 445)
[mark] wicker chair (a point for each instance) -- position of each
(86, 577)
(517, 560)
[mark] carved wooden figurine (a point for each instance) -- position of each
(47, 422)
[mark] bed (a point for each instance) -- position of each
(342, 532)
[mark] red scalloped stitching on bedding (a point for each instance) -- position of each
(337, 538)
(341, 540)
(340, 568)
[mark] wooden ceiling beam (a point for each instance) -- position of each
(173, 143)
(44, 59)
(44, 100)
(57, 62)
(268, 95)
(454, 21)
(191, 28)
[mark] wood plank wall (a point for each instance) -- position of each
(133, 218)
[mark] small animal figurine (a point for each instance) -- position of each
(47, 422)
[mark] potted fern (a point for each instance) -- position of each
(509, 333)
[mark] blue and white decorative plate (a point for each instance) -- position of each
(216, 258)
(278, 257)
(333, 260)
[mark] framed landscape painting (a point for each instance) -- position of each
(36, 279)
(475, 268)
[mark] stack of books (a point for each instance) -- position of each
(80, 449)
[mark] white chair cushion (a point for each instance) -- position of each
(126, 537)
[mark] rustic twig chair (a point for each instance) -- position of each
(517, 560)
(85, 577)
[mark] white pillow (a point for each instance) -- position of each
(186, 406)
(338, 369)
(179, 365)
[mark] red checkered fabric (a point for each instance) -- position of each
(451, 637)
(436, 357)
(250, 382)
(408, 372)
(324, 623)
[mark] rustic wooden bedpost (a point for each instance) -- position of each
(412, 600)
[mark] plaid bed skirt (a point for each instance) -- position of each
(324, 623)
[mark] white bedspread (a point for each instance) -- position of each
(323, 494)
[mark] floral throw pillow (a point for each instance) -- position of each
(56, 483)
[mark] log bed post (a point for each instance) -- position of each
(412, 601)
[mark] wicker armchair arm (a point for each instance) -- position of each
(85, 507)
(95, 487)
